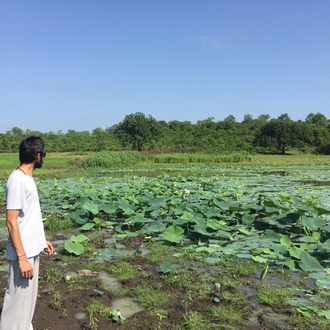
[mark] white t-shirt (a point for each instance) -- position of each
(22, 195)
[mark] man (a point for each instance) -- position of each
(26, 238)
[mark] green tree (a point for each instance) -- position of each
(139, 131)
(276, 134)
(317, 119)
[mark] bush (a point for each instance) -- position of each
(108, 159)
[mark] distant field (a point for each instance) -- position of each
(70, 164)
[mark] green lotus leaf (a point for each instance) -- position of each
(155, 229)
(91, 207)
(110, 208)
(75, 248)
(202, 229)
(285, 240)
(213, 212)
(244, 231)
(259, 259)
(79, 238)
(279, 248)
(248, 219)
(87, 226)
(106, 255)
(187, 216)
(174, 234)
(323, 282)
(272, 235)
(295, 252)
(309, 263)
(326, 314)
(214, 224)
(289, 218)
(80, 216)
(325, 247)
(313, 224)
(167, 267)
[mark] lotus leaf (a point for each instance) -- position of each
(87, 226)
(248, 219)
(174, 234)
(309, 263)
(313, 224)
(79, 238)
(75, 248)
(324, 282)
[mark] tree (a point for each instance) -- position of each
(277, 133)
(317, 119)
(284, 116)
(230, 118)
(138, 130)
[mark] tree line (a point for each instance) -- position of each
(140, 132)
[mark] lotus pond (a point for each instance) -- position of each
(217, 248)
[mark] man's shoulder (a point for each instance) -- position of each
(17, 178)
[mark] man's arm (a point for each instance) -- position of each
(15, 236)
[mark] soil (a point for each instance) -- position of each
(64, 313)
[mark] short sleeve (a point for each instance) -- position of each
(15, 196)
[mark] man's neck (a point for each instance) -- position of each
(27, 168)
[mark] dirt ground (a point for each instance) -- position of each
(61, 305)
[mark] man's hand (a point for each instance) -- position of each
(25, 267)
(49, 249)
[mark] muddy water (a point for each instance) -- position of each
(108, 281)
(126, 306)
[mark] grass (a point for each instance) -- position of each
(124, 271)
(95, 309)
(149, 297)
(69, 164)
(274, 295)
(229, 314)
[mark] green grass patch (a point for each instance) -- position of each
(124, 271)
(274, 295)
(149, 297)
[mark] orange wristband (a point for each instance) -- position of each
(22, 255)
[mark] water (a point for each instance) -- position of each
(108, 281)
(126, 306)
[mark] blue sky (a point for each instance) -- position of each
(83, 64)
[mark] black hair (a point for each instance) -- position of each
(30, 148)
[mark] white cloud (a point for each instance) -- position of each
(209, 41)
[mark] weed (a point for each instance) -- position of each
(305, 323)
(229, 283)
(160, 315)
(181, 277)
(235, 297)
(123, 271)
(96, 308)
(194, 321)
(157, 253)
(59, 222)
(273, 295)
(149, 297)
(52, 277)
(57, 301)
(229, 314)
(240, 268)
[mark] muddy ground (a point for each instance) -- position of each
(69, 285)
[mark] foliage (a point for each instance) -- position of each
(108, 159)
(138, 131)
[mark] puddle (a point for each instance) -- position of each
(109, 281)
(58, 242)
(126, 306)
(80, 316)
(4, 267)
